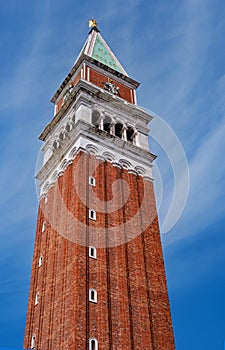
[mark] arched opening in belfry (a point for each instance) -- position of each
(95, 118)
(62, 135)
(130, 134)
(119, 130)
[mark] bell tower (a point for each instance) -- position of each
(98, 279)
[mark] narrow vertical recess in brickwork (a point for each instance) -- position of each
(98, 271)
(35, 280)
(73, 270)
(39, 277)
(44, 240)
(136, 274)
(139, 197)
(88, 157)
(62, 265)
(92, 274)
(123, 176)
(130, 209)
(158, 294)
(30, 311)
(71, 333)
(106, 181)
(110, 177)
(55, 206)
(61, 272)
(57, 291)
(118, 278)
(81, 341)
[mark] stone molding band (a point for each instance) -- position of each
(121, 163)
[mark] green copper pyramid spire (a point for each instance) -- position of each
(102, 54)
(96, 48)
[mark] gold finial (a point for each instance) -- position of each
(92, 23)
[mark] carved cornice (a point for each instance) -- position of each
(86, 138)
(85, 90)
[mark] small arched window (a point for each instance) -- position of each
(33, 342)
(37, 298)
(95, 118)
(92, 214)
(93, 295)
(92, 252)
(92, 181)
(119, 130)
(107, 124)
(40, 261)
(93, 344)
(43, 226)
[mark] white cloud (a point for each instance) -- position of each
(206, 199)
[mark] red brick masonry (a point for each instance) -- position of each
(132, 311)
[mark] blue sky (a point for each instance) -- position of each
(176, 50)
